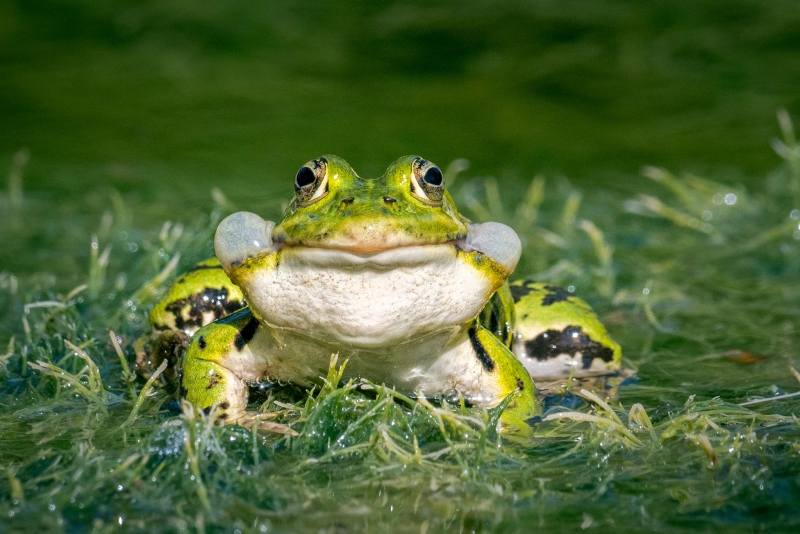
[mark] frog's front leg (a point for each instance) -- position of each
(219, 364)
(485, 371)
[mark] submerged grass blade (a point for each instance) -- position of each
(146, 389)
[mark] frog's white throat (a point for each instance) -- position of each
(370, 300)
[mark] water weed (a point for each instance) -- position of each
(697, 282)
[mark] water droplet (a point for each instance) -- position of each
(795, 214)
(646, 291)
(730, 199)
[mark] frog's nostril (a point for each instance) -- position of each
(348, 200)
(389, 200)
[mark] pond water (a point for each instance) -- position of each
(116, 118)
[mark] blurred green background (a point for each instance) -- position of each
(167, 99)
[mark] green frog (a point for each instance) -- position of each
(386, 274)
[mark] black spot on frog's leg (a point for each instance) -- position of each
(571, 340)
(520, 384)
(480, 350)
(517, 292)
(554, 294)
(212, 382)
(201, 342)
(224, 405)
(244, 335)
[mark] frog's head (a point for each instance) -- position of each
(334, 208)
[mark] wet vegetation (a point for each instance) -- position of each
(697, 283)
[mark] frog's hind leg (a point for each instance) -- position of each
(482, 369)
(219, 364)
(558, 334)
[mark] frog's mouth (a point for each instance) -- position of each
(245, 235)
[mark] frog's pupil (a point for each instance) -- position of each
(305, 176)
(433, 176)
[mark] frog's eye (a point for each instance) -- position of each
(311, 181)
(427, 184)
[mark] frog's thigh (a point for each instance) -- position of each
(219, 364)
(485, 371)
(558, 333)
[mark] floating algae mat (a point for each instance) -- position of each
(697, 280)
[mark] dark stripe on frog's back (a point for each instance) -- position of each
(551, 294)
(554, 294)
(210, 299)
(480, 351)
(570, 340)
(519, 291)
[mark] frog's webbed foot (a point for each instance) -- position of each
(152, 350)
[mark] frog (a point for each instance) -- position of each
(387, 275)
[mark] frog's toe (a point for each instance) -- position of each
(262, 423)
